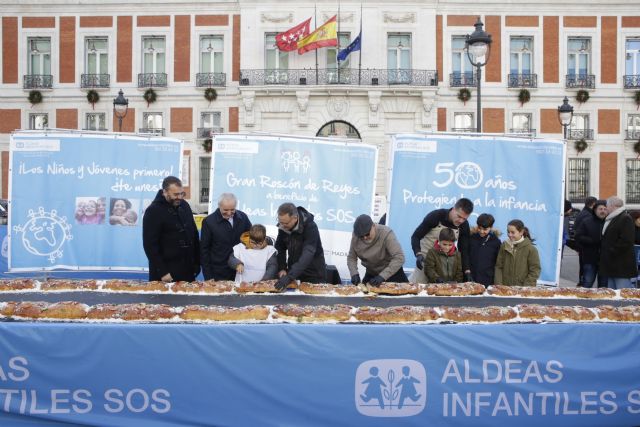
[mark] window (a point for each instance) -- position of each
(463, 122)
(633, 181)
(96, 121)
(579, 127)
(97, 56)
(579, 57)
(339, 128)
(38, 121)
(399, 58)
(332, 53)
(521, 123)
(153, 54)
(275, 60)
(152, 123)
(205, 170)
(39, 56)
(632, 57)
(460, 64)
(633, 126)
(209, 123)
(211, 54)
(578, 180)
(521, 55)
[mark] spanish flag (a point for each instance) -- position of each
(323, 36)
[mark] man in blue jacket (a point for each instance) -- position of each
(300, 253)
(221, 231)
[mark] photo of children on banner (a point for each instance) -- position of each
(254, 258)
(123, 212)
(90, 210)
(443, 262)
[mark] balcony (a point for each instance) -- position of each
(523, 80)
(209, 132)
(632, 81)
(576, 134)
(152, 131)
(347, 76)
(632, 134)
(211, 79)
(152, 80)
(463, 130)
(95, 81)
(524, 132)
(37, 81)
(462, 80)
(581, 81)
(96, 129)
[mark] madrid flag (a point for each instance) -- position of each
(288, 40)
(323, 36)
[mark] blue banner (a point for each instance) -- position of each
(77, 200)
(319, 375)
(510, 178)
(334, 180)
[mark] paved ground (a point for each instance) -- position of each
(569, 268)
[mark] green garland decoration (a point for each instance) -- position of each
(636, 98)
(524, 96)
(464, 95)
(210, 94)
(636, 147)
(582, 96)
(35, 97)
(93, 97)
(580, 145)
(150, 96)
(207, 144)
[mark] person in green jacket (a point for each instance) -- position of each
(443, 261)
(518, 263)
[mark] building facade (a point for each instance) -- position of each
(411, 75)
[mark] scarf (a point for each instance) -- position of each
(609, 217)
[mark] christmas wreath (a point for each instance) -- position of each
(524, 96)
(464, 95)
(210, 94)
(207, 144)
(582, 96)
(35, 97)
(93, 97)
(636, 147)
(580, 145)
(150, 96)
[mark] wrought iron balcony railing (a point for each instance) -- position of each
(37, 81)
(632, 81)
(94, 80)
(575, 134)
(96, 129)
(520, 131)
(209, 132)
(211, 79)
(463, 130)
(152, 80)
(153, 131)
(462, 80)
(523, 80)
(347, 76)
(581, 81)
(633, 134)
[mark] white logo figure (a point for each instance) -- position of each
(468, 175)
(295, 159)
(390, 388)
(45, 233)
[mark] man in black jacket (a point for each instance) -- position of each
(300, 253)
(617, 254)
(427, 233)
(221, 231)
(170, 236)
(586, 212)
(589, 236)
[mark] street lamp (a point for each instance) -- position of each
(565, 115)
(478, 47)
(120, 108)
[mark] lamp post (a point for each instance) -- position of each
(120, 108)
(478, 47)
(565, 115)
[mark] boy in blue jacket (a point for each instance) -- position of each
(484, 245)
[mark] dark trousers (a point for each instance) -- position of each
(397, 277)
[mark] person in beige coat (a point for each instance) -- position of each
(377, 247)
(518, 262)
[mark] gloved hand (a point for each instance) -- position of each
(283, 282)
(468, 277)
(355, 279)
(376, 281)
(419, 261)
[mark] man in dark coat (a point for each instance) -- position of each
(170, 235)
(300, 253)
(617, 256)
(589, 237)
(221, 231)
(586, 212)
(484, 245)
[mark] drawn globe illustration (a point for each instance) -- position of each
(44, 233)
(468, 175)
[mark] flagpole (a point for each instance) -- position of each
(315, 24)
(360, 53)
(338, 42)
